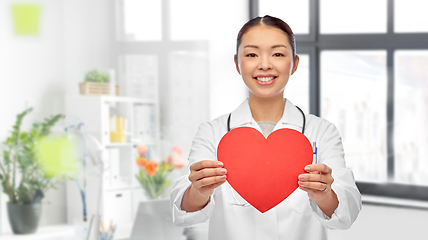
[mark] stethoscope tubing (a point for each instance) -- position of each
(303, 126)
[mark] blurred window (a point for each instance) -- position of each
(343, 17)
(353, 96)
(410, 16)
(142, 20)
(153, 66)
(189, 20)
(411, 116)
(188, 95)
(297, 89)
(140, 72)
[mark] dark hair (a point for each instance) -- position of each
(268, 21)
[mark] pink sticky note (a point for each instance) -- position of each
(264, 171)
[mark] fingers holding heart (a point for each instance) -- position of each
(208, 181)
(317, 182)
(207, 175)
(313, 181)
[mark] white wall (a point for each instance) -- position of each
(32, 67)
(32, 74)
(87, 26)
(39, 70)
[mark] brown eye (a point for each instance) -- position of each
(278, 55)
(251, 55)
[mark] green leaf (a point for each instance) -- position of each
(6, 157)
(25, 193)
(18, 122)
(49, 123)
(155, 185)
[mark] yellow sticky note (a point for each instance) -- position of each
(58, 155)
(26, 18)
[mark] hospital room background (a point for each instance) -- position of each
(169, 65)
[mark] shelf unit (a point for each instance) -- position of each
(120, 191)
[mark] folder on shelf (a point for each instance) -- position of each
(144, 123)
(118, 127)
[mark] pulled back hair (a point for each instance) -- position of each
(268, 21)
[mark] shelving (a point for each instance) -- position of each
(120, 192)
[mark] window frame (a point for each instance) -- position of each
(315, 42)
(160, 48)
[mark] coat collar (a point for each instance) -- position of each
(242, 117)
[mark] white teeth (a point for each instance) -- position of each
(265, 79)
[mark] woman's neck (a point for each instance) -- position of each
(264, 109)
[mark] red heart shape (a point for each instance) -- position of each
(264, 171)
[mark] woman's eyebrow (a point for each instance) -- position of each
(274, 46)
(251, 46)
(279, 45)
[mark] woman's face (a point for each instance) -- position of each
(265, 61)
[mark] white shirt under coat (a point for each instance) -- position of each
(297, 217)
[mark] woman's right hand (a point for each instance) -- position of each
(207, 175)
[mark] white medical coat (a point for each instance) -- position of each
(297, 217)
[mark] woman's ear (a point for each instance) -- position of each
(235, 58)
(295, 64)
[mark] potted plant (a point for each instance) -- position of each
(21, 173)
(98, 83)
(96, 76)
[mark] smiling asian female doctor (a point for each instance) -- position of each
(327, 197)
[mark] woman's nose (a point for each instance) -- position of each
(265, 63)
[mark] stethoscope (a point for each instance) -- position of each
(303, 126)
(236, 202)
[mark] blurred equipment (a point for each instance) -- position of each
(88, 146)
(154, 221)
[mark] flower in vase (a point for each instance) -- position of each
(142, 149)
(151, 168)
(177, 149)
(153, 176)
(141, 162)
(175, 158)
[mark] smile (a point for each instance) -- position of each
(265, 80)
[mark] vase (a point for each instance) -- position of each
(24, 218)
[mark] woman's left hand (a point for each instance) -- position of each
(317, 182)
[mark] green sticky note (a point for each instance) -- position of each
(58, 156)
(26, 18)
